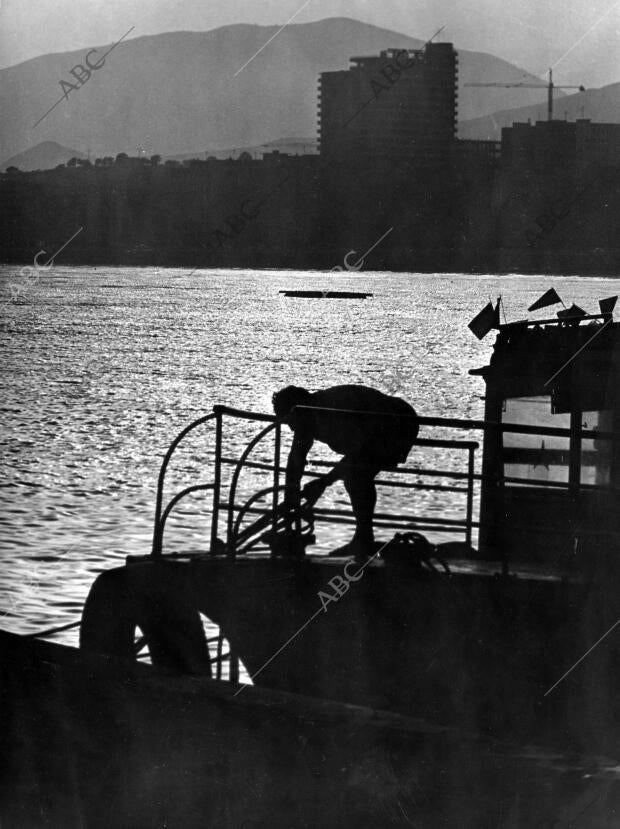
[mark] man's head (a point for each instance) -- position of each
(287, 398)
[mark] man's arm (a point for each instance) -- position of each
(315, 488)
(296, 464)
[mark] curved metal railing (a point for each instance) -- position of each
(235, 481)
(462, 481)
(160, 520)
(335, 516)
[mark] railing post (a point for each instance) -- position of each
(276, 472)
(234, 667)
(220, 642)
(574, 475)
(156, 549)
(492, 474)
(470, 495)
(217, 481)
(574, 464)
(230, 549)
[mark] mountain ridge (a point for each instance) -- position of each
(525, 32)
(43, 156)
(169, 93)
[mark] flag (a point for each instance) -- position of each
(550, 297)
(483, 322)
(607, 305)
(573, 311)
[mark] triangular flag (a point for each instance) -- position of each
(607, 305)
(573, 311)
(483, 322)
(550, 297)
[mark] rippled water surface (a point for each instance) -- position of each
(103, 366)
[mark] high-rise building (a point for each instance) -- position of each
(400, 104)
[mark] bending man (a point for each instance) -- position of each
(368, 436)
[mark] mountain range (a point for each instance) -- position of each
(189, 93)
(45, 156)
(579, 39)
(183, 92)
(49, 154)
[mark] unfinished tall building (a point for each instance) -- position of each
(399, 105)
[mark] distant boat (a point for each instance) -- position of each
(327, 294)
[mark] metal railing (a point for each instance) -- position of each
(224, 510)
(227, 512)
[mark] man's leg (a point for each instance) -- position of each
(359, 482)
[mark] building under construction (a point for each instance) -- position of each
(401, 104)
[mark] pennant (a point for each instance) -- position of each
(607, 305)
(500, 304)
(550, 297)
(573, 311)
(486, 320)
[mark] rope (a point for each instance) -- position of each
(50, 631)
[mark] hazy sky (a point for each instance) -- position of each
(581, 37)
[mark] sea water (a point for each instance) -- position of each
(101, 367)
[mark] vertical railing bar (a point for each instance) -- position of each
(234, 667)
(470, 496)
(500, 433)
(574, 475)
(574, 456)
(220, 644)
(217, 481)
(276, 472)
(230, 551)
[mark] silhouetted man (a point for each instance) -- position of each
(368, 436)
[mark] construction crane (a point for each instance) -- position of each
(550, 86)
